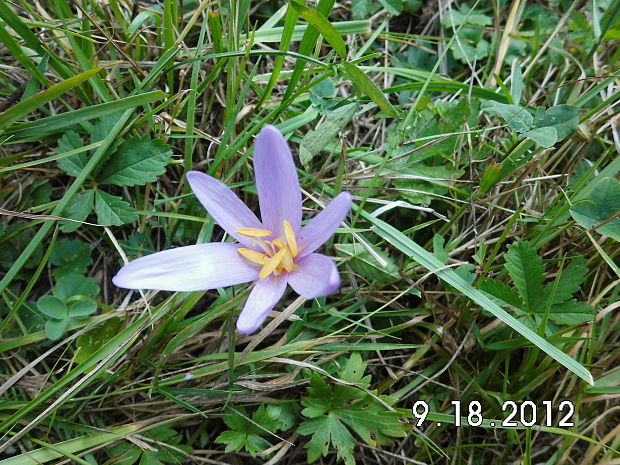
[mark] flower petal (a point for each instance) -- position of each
(223, 205)
(263, 298)
(192, 268)
(276, 182)
(322, 226)
(316, 275)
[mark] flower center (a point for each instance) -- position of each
(278, 254)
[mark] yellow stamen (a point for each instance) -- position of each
(253, 256)
(279, 243)
(290, 238)
(254, 232)
(272, 264)
(287, 262)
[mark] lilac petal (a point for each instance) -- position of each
(322, 226)
(315, 275)
(276, 182)
(263, 298)
(223, 205)
(192, 268)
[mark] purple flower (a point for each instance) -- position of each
(273, 252)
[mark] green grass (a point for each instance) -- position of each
(480, 261)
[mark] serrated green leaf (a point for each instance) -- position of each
(545, 137)
(234, 440)
(602, 203)
(52, 307)
(569, 281)
(502, 292)
(112, 210)
(138, 161)
(525, 267)
(74, 164)
(571, 313)
(80, 207)
(369, 88)
(331, 411)
(255, 444)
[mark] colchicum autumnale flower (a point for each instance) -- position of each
(273, 252)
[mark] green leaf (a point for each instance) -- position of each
(439, 250)
(502, 292)
(526, 270)
(366, 265)
(360, 8)
(80, 207)
(314, 140)
(455, 17)
(325, 28)
(393, 7)
(70, 255)
(563, 118)
(36, 101)
(571, 313)
(607, 384)
(330, 412)
(33, 130)
(82, 308)
(470, 46)
(430, 262)
(102, 128)
(52, 307)
(328, 430)
(91, 341)
(545, 137)
(569, 281)
(74, 164)
(56, 328)
(234, 440)
(138, 161)
(602, 203)
(112, 210)
(74, 284)
(369, 88)
(517, 118)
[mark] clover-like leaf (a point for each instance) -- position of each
(82, 308)
(56, 328)
(52, 307)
